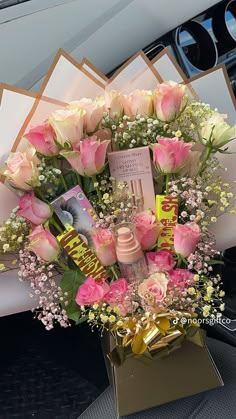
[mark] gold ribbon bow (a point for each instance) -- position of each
(154, 338)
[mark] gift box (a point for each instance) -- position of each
(142, 383)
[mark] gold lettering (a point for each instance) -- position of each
(83, 257)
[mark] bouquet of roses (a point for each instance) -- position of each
(135, 258)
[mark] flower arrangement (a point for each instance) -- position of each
(140, 296)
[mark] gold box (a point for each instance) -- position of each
(140, 383)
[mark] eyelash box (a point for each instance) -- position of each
(74, 208)
(134, 167)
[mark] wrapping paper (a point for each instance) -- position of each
(167, 67)
(213, 87)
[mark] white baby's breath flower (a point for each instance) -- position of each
(178, 133)
(210, 290)
(91, 316)
(112, 319)
(5, 247)
(104, 318)
(191, 291)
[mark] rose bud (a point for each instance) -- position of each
(186, 237)
(68, 125)
(216, 132)
(91, 292)
(33, 209)
(160, 261)
(89, 160)
(94, 111)
(153, 289)
(42, 138)
(168, 100)
(139, 102)
(21, 169)
(170, 154)
(104, 246)
(43, 244)
(114, 103)
(147, 229)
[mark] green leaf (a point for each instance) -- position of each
(215, 262)
(187, 138)
(70, 178)
(71, 264)
(225, 151)
(67, 146)
(70, 282)
(58, 144)
(73, 311)
(88, 186)
(82, 320)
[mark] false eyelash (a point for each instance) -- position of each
(67, 207)
(88, 236)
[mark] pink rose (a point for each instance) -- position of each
(43, 244)
(103, 134)
(90, 158)
(147, 229)
(21, 168)
(168, 99)
(94, 111)
(192, 164)
(116, 296)
(33, 209)
(160, 261)
(68, 125)
(91, 292)
(170, 154)
(42, 138)
(139, 102)
(104, 246)
(186, 237)
(153, 289)
(114, 103)
(180, 278)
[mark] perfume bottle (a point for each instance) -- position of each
(129, 254)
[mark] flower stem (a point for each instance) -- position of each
(206, 157)
(78, 178)
(63, 265)
(113, 271)
(57, 166)
(167, 183)
(179, 261)
(95, 183)
(56, 225)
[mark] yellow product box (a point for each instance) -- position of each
(167, 215)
